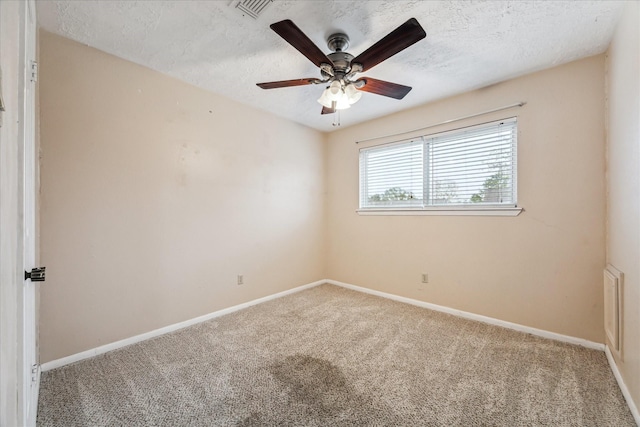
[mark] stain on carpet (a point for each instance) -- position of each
(318, 392)
(315, 382)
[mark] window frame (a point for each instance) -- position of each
(484, 209)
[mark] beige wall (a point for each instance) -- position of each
(542, 268)
(623, 183)
(156, 194)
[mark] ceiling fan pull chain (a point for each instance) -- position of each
(336, 118)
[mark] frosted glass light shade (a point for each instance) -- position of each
(324, 99)
(352, 93)
(339, 98)
(343, 103)
(335, 90)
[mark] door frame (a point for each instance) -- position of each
(14, 34)
(27, 345)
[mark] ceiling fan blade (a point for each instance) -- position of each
(381, 87)
(326, 110)
(296, 38)
(399, 39)
(286, 83)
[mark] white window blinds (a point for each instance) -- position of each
(465, 168)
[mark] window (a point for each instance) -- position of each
(469, 169)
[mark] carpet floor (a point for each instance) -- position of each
(329, 356)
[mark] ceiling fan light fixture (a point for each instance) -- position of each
(334, 92)
(352, 93)
(338, 98)
(325, 100)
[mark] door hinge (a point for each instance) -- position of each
(34, 71)
(36, 274)
(34, 373)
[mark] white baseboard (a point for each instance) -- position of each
(623, 386)
(47, 366)
(464, 314)
(477, 317)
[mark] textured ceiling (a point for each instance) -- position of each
(210, 44)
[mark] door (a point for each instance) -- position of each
(29, 392)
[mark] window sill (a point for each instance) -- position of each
(488, 211)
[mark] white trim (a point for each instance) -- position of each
(29, 394)
(167, 329)
(33, 408)
(464, 314)
(176, 326)
(477, 317)
(445, 211)
(623, 387)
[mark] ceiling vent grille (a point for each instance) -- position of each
(252, 8)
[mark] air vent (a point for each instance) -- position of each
(252, 8)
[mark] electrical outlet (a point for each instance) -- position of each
(240, 279)
(425, 278)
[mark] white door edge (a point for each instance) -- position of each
(28, 394)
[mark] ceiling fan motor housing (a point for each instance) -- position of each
(341, 60)
(341, 63)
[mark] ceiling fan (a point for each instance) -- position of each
(338, 69)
